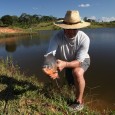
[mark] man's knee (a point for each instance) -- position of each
(78, 72)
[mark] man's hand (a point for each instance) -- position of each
(53, 74)
(61, 64)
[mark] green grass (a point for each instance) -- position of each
(25, 95)
(45, 26)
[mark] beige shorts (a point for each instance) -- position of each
(85, 64)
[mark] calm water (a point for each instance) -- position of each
(28, 53)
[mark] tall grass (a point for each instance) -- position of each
(23, 95)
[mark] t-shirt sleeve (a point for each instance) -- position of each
(83, 49)
(53, 45)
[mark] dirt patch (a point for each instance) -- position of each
(8, 30)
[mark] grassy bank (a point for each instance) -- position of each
(31, 30)
(23, 95)
(44, 26)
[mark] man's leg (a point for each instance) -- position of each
(69, 76)
(79, 82)
(78, 77)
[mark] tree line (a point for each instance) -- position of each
(24, 20)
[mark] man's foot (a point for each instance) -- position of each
(76, 106)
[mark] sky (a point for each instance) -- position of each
(93, 9)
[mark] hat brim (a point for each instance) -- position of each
(81, 24)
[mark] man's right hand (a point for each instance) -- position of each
(61, 64)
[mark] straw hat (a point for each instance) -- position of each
(72, 20)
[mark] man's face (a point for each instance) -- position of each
(70, 33)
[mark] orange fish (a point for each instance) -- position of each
(50, 66)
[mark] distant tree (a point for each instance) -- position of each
(15, 20)
(60, 19)
(7, 20)
(112, 21)
(25, 20)
(35, 19)
(91, 20)
(1, 23)
(85, 19)
(47, 18)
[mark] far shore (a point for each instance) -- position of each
(17, 31)
(12, 32)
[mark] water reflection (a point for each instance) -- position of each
(10, 46)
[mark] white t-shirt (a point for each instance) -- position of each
(68, 49)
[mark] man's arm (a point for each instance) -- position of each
(64, 64)
(53, 45)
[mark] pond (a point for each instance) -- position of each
(27, 52)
